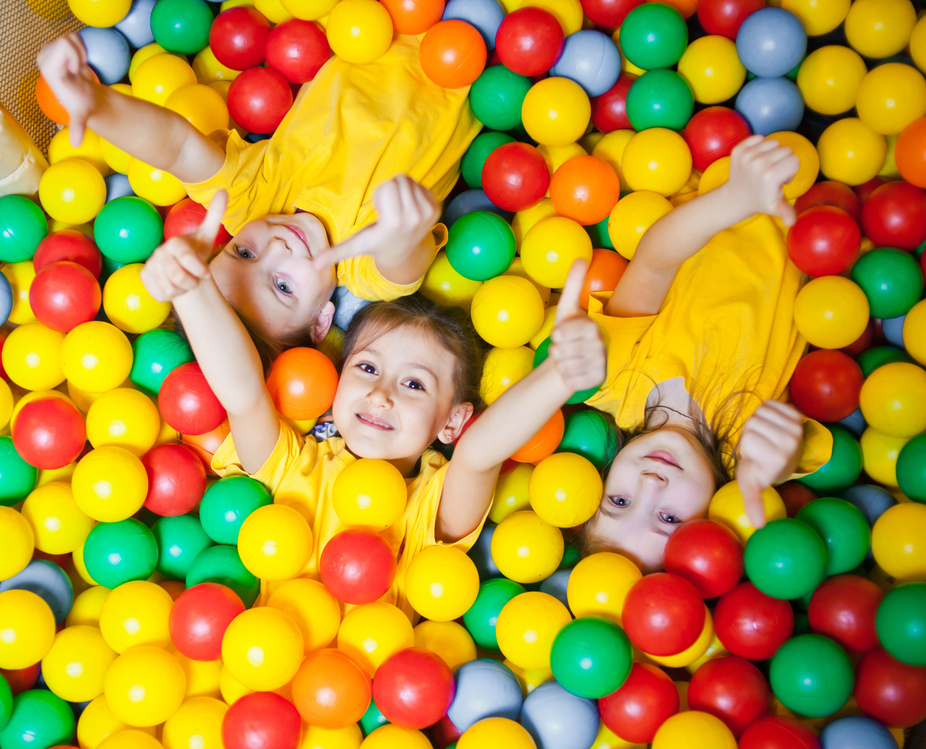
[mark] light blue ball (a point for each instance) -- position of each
(591, 59)
(770, 105)
(854, 423)
(892, 328)
(49, 582)
(556, 719)
(6, 298)
(555, 585)
(484, 689)
(117, 186)
(770, 42)
(481, 554)
(485, 15)
(469, 201)
(346, 305)
(136, 26)
(872, 500)
(856, 732)
(108, 53)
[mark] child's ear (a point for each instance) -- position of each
(322, 323)
(453, 428)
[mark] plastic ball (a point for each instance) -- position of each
(135, 613)
(843, 467)
(72, 191)
(879, 455)
(507, 311)
(176, 480)
(525, 548)
(314, 610)
(17, 536)
(484, 688)
(910, 152)
(100, 12)
(556, 112)
(39, 718)
(591, 657)
(914, 325)
(515, 176)
(591, 59)
(70, 245)
(657, 160)
(331, 690)
(831, 312)
(770, 42)
(565, 490)
(18, 476)
(259, 99)
(221, 564)
(711, 67)
(551, 247)
(659, 98)
(369, 493)
(107, 53)
(653, 36)
(198, 721)
(119, 552)
(693, 730)
(851, 152)
(826, 385)
(895, 543)
(155, 355)
(22, 228)
(262, 648)
(110, 484)
(663, 614)
(64, 295)
(49, 433)
(227, 503)
(357, 566)
(843, 608)
(274, 542)
(123, 418)
(261, 720)
(632, 216)
(155, 75)
(786, 559)
(751, 624)
(708, 555)
(482, 617)
(770, 105)
(892, 399)
(199, 619)
(811, 675)
(237, 37)
(187, 403)
(452, 54)
(824, 240)
(302, 382)
(529, 41)
(911, 476)
(58, 524)
(359, 31)
(527, 627)
(890, 97)
(76, 664)
(298, 49)
(480, 246)
(555, 717)
(441, 583)
(646, 699)
(144, 686)
(413, 688)
(732, 689)
(496, 97)
(449, 640)
(181, 27)
(374, 632)
(415, 16)
(888, 217)
(479, 150)
(495, 732)
(609, 110)
(899, 623)
(829, 79)
(96, 357)
(778, 732)
(880, 29)
(127, 230)
(29, 628)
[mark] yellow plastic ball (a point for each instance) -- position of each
(136, 613)
(449, 640)
(102, 13)
(359, 31)
(97, 722)
(75, 666)
(209, 70)
(693, 652)
(32, 356)
(309, 10)
(527, 626)
(275, 542)
(20, 276)
(27, 626)
(918, 44)
(890, 97)
(96, 356)
(556, 112)
(58, 474)
(511, 492)
(370, 493)
(141, 55)
(203, 107)
(78, 558)
(202, 677)
(879, 455)
(127, 303)
(273, 11)
(898, 541)
(610, 149)
(58, 524)
(124, 418)
(496, 732)
(818, 18)
(503, 368)
(546, 330)
(130, 738)
(154, 185)
(551, 247)
(6, 404)
(693, 730)
(657, 160)
(524, 221)
(727, 507)
(109, 484)
(893, 399)
(569, 13)
(16, 540)
(632, 216)
(851, 152)
(809, 162)
(442, 284)
(117, 159)
(507, 311)
(391, 736)
(262, 648)
(556, 156)
(157, 77)
(565, 490)
(831, 312)
(889, 170)
(525, 548)
(914, 332)
(880, 28)
(89, 150)
(312, 608)
(314, 737)
(712, 68)
(87, 607)
(196, 725)
(529, 678)
(715, 175)
(144, 686)
(373, 632)
(599, 583)
(441, 583)
(829, 79)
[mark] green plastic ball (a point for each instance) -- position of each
(878, 356)
(911, 468)
(156, 354)
(786, 559)
(6, 702)
(40, 719)
(580, 396)
(599, 234)
(811, 675)
(842, 469)
(117, 553)
(480, 246)
(478, 152)
(372, 719)
(482, 616)
(844, 530)
(180, 540)
(128, 229)
(17, 477)
(181, 26)
(221, 564)
(901, 623)
(653, 36)
(659, 98)
(591, 657)
(227, 503)
(589, 434)
(496, 97)
(22, 227)
(891, 280)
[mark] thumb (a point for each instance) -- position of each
(360, 243)
(786, 211)
(569, 301)
(209, 229)
(76, 131)
(751, 492)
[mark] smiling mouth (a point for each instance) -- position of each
(373, 422)
(663, 457)
(301, 237)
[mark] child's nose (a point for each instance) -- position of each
(380, 395)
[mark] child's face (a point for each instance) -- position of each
(395, 396)
(656, 482)
(267, 275)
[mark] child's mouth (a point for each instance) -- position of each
(373, 422)
(301, 237)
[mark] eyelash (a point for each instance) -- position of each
(282, 287)
(412, 384)
(240, 252)
(664, 517)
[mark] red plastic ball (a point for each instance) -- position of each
(261, 720)
(752, 625)
(796, 496)
(297, 49)
(826, 385)
(713, 133)
(831, 193)
(604, 273)
(259, 99)
(779, 732)
(889, 690)
(732, 689)
(414, 16)
(864, 190)
(663, 614)
(21, 679)
(237, 37)
(708, 555)
(185, 217)
(609, 111)
(64, 294)
(68, 244)
(844, 609)
(199, 617)
(724, 17)
(529, 41)
(187, 403)
(302, 382)
(176, 480)
(453, 53)
(824, 241)
(331, 690)
(357, 566)
(642, 704)
(585, 189)
(893, 216)
(49, 433)
(413, 688)
(608, 14)
(862, 343)
(515, 176)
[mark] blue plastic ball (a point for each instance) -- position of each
(892, 328)
(557, 719)
(856, 732)
(770, 42)
(6, 298)
(481, 554)
(117, 186)
(591, 59)
(49, 582)
(872, 500)
(770, 105)
(484, 689)
(469, 201)
(555, 585)
(485, 15)
(854, 423)
(136, 26)
(108, 53)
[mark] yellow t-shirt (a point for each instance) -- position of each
(726, 327)
(301, 473)
(350, 129)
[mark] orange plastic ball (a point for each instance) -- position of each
(302, 382)
(453, 54)
(49, 104)
(910, 152)
(585, 189)
(331, 690)
(414, 16)
(542, 444)
(603, 274)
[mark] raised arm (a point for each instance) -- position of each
(576, 362)
(177, 272)
(759, 168)
(148, 132)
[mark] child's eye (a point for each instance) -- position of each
(620, 501)
(243, 252)
(283, 287)
(368, 368)
(671, 519)
(414, 384)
